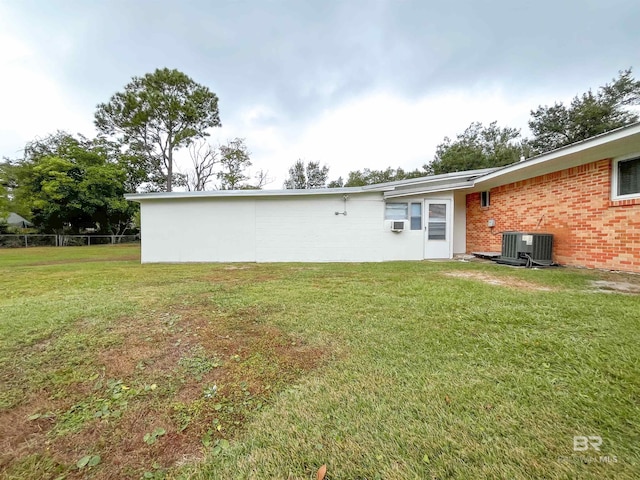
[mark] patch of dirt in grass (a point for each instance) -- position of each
(503, 282)
(27, 425)
(192, 375)
(18, 432)
(610, 286)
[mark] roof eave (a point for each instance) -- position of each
(427, 190)
(607, 145)
(136, 197)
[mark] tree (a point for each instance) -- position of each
(134, 164)
(338, 183)
(311, 175)
(359, 178)
(7, 185)
(4, 208)
(234, 160)
(297, 176)
(588, 115)
(204, 158)
(261, 179)
(317, 175)
(478, 147)
(156, 115)
(70, 184)
(4, 202)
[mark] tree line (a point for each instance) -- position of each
(480, 146)
(552, 126)
(66, 183)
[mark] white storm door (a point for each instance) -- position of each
(438, 230)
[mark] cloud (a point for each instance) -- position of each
(364, 83)
(380, 129)
(32, 104)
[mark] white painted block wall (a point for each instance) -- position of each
(274, 229)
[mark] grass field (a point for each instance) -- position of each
(112, 369)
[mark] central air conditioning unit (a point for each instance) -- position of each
(527, 249)
(397, 226)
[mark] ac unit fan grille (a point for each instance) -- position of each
(519, 248)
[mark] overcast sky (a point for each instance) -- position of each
(351, 84)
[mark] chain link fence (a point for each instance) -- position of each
(41, 240)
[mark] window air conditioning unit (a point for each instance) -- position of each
(527, 249)
(397, 226)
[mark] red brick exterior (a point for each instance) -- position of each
(574, 205)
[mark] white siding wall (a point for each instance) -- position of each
(198, 230)
(274, 229)
(282, 229)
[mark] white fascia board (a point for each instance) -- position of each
(136, 197)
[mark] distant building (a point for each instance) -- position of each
(15, 220)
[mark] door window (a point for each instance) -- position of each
(437, 221)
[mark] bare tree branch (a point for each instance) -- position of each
(262, 178)
(204, 158)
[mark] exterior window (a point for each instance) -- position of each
(628, 177)
(416, 216)
(484, 199)
(396, 211)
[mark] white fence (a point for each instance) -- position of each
(38, 240)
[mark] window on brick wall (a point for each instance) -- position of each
(626, 177)
(484, 199)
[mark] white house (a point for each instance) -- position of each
(587, 195)
(405, 220)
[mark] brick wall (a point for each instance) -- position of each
(574, 205)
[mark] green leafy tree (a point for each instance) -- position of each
(297, 177)
(317, 175)
(5, 188)
(367, 176)
(70, 184)
(234, 161)
(310, 175)
(4, 203)
(478, 147)
(588, 115)
(337, 183)
(134, 164)
(10, 198)
(156, 115)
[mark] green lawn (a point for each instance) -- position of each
(400, 370)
